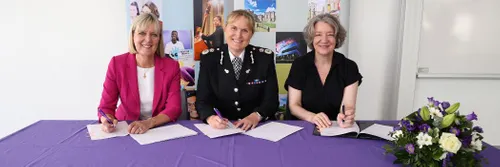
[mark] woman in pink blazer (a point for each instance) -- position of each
(146, 82)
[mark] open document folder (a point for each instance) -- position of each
(364, 130)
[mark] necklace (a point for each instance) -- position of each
(146, 70)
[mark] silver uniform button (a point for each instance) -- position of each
(236, 103)
(235, 89)
(239, 109)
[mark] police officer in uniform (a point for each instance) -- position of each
(238, 79)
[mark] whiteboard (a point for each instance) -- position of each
(460, 37)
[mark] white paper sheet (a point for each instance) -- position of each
(273, 131)
(163, 133)
(378, 130)
(336, 130)
(96, 133)
(214, 133)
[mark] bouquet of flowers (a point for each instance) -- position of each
(437, 135)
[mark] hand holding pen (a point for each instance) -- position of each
(108, 124)
(345, 119)
(217, 121)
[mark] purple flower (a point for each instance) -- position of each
(424, 128)
(436, 103)
(466, 141)
(407, 124)
(471, 117)
(410, 148)
(445, 105)
(431, 100)
(396, 128)
(478, 129)
(455, 131)
(447, 159)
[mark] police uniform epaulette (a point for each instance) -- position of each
(265, 50)
(206, 51)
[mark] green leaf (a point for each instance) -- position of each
(424, 113)
(397, 161)
(452, 108)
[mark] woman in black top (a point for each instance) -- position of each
(322, 81)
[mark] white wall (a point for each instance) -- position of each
(478, 95)
(54, 58)
(373, 45)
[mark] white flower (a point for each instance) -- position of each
(423, 139)
(450, 142)
(443, 156)
(397, 134)
(435, 112)
(476, 143)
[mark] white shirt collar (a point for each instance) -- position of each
(242, 55)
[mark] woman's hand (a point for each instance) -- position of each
(249, 122)
(346, 120)
(106, 126)
(321, 120)
(216, 122)
(140, 127)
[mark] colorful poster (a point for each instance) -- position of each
(264, 12)
(208, 22)
(187, 66)
(176, 41)
(136, 7)
(323, 6)
(289, 45)
(283, 99)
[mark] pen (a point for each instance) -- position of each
(343, 111)
(218, 113)
(105, 116)
(220, 116)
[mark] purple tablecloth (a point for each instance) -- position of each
(66, 143)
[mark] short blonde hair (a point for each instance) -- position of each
(339, 30)
(242, 13)
(140, 23)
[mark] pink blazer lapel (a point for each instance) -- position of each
(159, 82)
(133, 83)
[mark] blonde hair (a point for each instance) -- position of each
(242, 13)
(339, 30)
(140, 23)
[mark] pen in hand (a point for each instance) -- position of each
(343, 112)
(220, 116)
(107, 118)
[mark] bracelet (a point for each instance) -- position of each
(153, 121)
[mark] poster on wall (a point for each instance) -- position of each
(136, 7)
(323, 6)
(264, 12)
(208, 22)
(187, 66)
(289, 46)
(176, 41)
